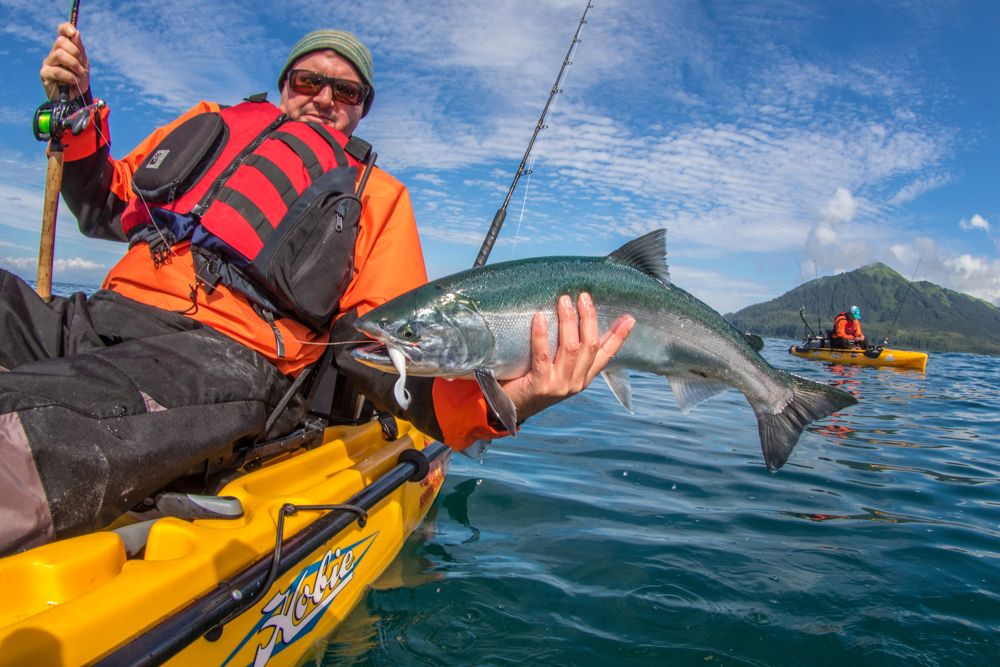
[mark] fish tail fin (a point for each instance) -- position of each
(779, 432)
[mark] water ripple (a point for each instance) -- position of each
(599, 537)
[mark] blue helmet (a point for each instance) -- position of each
(855, 312)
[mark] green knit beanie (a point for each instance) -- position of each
(345, 44)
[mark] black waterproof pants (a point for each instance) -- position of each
(104, 400)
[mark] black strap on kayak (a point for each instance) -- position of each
(288, 509)
(421, 466)
(235, 595)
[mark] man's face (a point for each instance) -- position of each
(321, 107)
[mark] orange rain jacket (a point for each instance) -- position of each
(388, 262)
(847, 328)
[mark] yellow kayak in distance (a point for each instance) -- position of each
(225, 591)
(878, 357)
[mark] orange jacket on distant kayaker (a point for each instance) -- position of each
(846, 327)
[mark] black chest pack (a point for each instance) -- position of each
(269, 205)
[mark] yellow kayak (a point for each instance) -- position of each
(223, 591)
(882, 356)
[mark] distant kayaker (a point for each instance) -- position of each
(847, 330)
(246, 246)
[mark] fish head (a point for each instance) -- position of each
(448, 337)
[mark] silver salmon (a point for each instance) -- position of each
(477, 323)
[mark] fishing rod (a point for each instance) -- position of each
(909, 285)
(809, 329)
(501, 214)
(51, 120)
(819, 308)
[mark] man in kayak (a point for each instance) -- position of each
(847, 330)
(248, 254)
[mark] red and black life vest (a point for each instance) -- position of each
(268, 205)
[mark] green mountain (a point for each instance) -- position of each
(930, 319)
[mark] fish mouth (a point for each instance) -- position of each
(375, 355)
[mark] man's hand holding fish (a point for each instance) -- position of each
(581, 356)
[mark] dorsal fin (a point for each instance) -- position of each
(647, 253)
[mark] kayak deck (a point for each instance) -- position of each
(76, 600)
(885, 357)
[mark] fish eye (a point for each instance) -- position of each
(406, 331)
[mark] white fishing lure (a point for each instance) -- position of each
(399, 362)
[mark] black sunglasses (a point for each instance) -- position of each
(304, 82)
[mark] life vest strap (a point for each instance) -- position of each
(303, 151)
(273, 173)
(338, 151)
(249, 211)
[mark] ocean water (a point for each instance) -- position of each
(602, 538)
(67, 288)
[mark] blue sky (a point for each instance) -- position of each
(775, 141)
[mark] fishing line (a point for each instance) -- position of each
(170, 249)
(332, 343)
(819, 322)
(107, 142)
(531, 165)
(501, 214)
(149, 213)
(892, 327)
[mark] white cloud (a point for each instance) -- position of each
(433, 179)
(925, 259)
(9, 116)
(708, 125)
(72, 264)
(977, 222)
(77, 264)
(917, 187)
(18, 263)
(841, 208)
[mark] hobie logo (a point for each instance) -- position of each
(291, 613)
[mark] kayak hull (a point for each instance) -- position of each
(82, 600)
(888, 358)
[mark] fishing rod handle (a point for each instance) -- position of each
(491, 237)
(50, 202)
(50, 206)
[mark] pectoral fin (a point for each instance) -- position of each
(690, 390)
(498, 401)
(620, 385)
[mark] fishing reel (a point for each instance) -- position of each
(52, 119)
